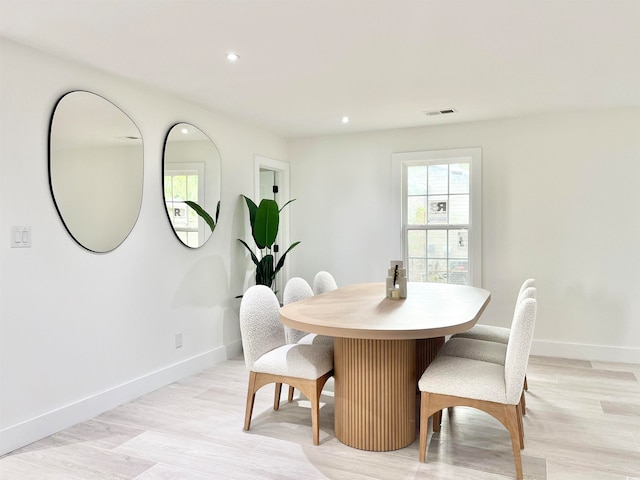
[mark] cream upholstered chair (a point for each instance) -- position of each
(492, 333)
(323, 282)
(270, 359)
(481, 348)
(297, 289)
(484, 350)
(496, 389)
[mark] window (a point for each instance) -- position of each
(440, 211)
(182, 182)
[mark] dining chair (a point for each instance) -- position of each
(492, 333)
(484, 350)
(297, 289)
(495, 389)
(323, 282)
(270, 359)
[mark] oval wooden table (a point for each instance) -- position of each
(381, 347)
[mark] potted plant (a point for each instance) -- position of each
(265, 220)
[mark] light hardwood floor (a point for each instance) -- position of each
(583, 422)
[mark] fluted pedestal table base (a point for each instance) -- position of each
(375, 390)
(374, 393)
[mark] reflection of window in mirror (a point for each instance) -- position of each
(185, 181)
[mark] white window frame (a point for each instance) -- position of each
(400, 162)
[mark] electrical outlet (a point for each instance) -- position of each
(20, 237)
(178, 340)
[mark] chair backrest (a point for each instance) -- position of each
(530, 292)
(296, 289)
(260, 325)
(518, 348)
(528, 283)
(323, 282)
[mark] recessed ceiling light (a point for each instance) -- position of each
(232, 56)
(345, 119)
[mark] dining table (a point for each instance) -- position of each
(381, 347)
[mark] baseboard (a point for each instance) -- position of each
(234, 349)
(29, 431)
(579, 351)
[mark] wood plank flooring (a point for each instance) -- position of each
(583, 422)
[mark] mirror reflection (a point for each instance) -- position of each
(191, 184)
(95, 170)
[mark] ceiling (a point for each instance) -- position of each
(304, 64)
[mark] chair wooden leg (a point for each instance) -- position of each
(312, 389)
(526, 387)
(508, 415)
(520, 425)
(290, 397)
(276, 396)
(424, 424)
(437, 420)
(523, 404)
(511, 416)
(251, 396)
(315, 412)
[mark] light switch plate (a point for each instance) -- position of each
(20, 237)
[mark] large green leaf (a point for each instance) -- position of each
(253, 255)
(252, 207)
(265, 227)
(264, 271)
(287, 204)
(203, 213)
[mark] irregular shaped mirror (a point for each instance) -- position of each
(95, 170)
(191, 184)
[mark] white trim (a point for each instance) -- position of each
(282, 168)
(400, 160)
(581, 351)
(33, 429)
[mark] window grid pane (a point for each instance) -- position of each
(417, 180)
(417, 210)
(435, 252)
(459, 178)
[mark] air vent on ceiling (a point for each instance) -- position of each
(444, 111)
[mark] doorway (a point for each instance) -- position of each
(272, 182)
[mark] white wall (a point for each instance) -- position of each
(81, 332)
(560, 203)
